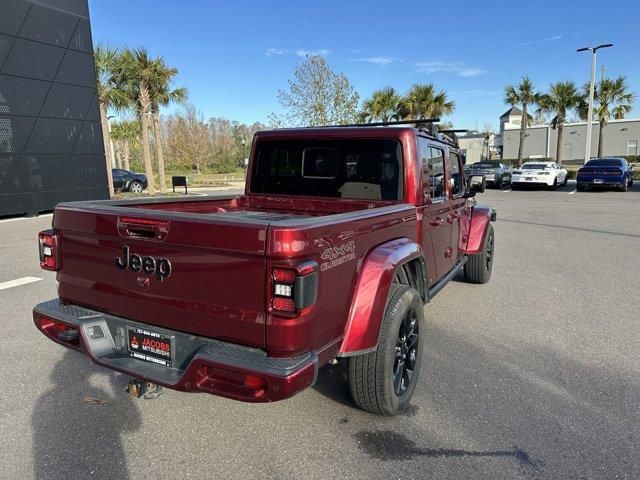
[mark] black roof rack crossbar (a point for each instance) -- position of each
(384, 124)
(454, 130)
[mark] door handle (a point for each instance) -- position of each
(436, 222)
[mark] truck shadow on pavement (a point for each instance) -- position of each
(75, 417)
(332, 383)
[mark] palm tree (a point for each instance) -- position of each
(126, 134)
(423, 101)
(162, 95)
(110, 95)
(137, 73)
(524, 95)
(611, 100)
(383, 106)
(561, 99)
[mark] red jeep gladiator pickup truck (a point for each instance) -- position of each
(341, 237)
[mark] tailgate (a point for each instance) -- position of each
(198, 275)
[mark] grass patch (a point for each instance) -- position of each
(206, 179)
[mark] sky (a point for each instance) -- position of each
(234, 56)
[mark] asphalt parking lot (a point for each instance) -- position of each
(534, 375)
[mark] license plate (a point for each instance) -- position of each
(150, 346)
(598, 180)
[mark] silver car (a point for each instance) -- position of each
(495, 173)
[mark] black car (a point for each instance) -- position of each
(126, 181)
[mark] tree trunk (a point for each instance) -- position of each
(601, 139)
(146, 147)
(523, 134)
(107, 150)
(126, 152)
(559, 144)
(159, 153)
(118, 158)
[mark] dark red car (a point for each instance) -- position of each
(342, 235)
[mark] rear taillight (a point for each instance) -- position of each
(49, 251)
(59, 331)
(293, 288)
(230, 382)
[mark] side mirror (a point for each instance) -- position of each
(476, 184)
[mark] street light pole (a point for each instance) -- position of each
(592, 86)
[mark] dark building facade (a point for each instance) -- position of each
(51, 147)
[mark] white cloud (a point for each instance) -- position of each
(452, 67)
(476, 93)
(304, 53)
(471, 72)
(543, 40)
(275, 51)
(378, 60)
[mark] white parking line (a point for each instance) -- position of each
(506, 191)
(572, 192)
(7, 220)
(17, 282)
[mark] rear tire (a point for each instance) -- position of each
(479, 266)
(555, 184)
(383, 381)
(566, 179)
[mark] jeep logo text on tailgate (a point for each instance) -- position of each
(149, 265)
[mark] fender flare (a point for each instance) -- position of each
(371, 293)
(480, 217)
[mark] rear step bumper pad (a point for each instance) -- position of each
(199, 364)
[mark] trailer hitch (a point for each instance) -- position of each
(141, 389)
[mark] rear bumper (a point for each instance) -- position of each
(199, 364)
(606, 182)
(535, 181)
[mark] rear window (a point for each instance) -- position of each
(486, 165)
(368, 169)
(604, 162)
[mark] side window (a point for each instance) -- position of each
(436, 173)
(457, 180)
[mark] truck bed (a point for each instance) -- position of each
(254, 208)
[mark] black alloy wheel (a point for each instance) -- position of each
(406, 351)
(489, 250)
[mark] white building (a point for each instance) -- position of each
(621, 138)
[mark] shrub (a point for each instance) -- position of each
(225, 167)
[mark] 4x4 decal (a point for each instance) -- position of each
(335, 256)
